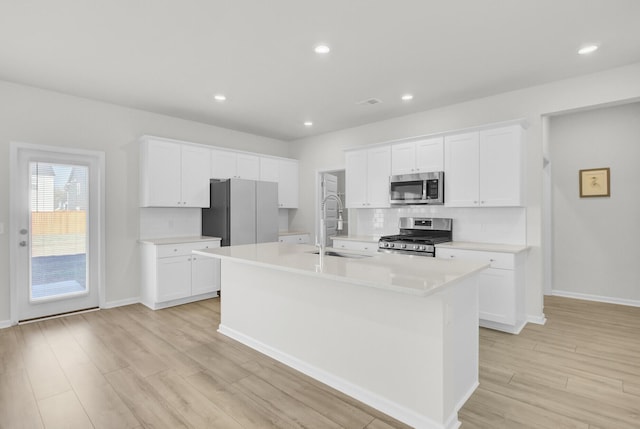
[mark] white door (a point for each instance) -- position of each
(330, 187)
(56, 198)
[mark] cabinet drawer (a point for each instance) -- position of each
(167, 250)
(355, 245)
(505, 261)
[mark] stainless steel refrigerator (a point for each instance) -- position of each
(242, 212)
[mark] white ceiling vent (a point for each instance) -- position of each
(370, 101)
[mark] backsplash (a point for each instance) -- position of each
(169, 222)
(486, 225)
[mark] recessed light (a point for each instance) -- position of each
(308, 124)
(322, 49)
(587, 49)
(407, 97)
(219, 97)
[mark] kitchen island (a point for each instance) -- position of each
(397, 332)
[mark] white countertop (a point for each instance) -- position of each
(486, 247)
(368, 238)
(178, 240)
(415, 275)
(283, 233)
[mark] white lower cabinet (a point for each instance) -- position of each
(363, 246)
(501, 287)
(173, 275)
(294, 238)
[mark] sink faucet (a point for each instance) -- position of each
(323, 214)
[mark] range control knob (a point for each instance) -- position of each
(403, 246)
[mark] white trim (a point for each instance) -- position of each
(57, 316)
(147, 137)
(538, 320)
(5, 324)
(510, 329)
(388, 407)
(179, 301)
(14, 204)
(597, 298)
(120, 302)
(522, 122)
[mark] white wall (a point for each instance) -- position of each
(325, 151)
(36, 116)
(595, 250)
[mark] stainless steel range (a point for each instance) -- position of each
(417, 236)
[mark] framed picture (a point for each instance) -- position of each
(594, 183)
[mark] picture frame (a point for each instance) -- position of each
(595, 182)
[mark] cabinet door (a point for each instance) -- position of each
(403, 158)
(160, 174)
(501, 167)
(497, 296)
(378, 172)
(223, 164)
(248, 166)
(429, 155)
(356, 178)
(205, 274)
(269, 169)
(196, 170)
(174, 278)
(461, 170)
(288, 187)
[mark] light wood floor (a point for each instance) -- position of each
(131, 367)
(580, 370)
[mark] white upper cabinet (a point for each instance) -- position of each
(173, 174)
(269, 169)
(288, 187)
(285, 173)
(223, 164)
(177, 174)
(461, 169)
(367, 177)
(248, 166)
(195, 176)
(418, 156)
(484, 168)
(227, 164)
(501, 167)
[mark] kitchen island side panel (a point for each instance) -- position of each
(406, 355)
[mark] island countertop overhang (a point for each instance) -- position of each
(409, 274)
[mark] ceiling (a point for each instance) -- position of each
(172, 56)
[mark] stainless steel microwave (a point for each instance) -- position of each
(420, 188)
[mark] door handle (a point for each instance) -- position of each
(23, 243)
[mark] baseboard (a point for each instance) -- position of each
(5, 324)
(384, 405)
(596, 298)
(538, 320)
(121, 302)
(510, 329)
(173, 303)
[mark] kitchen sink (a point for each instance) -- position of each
(342, 255)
